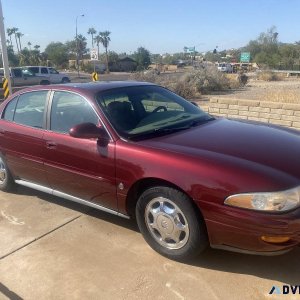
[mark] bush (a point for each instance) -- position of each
(268, 76)
(195, 83)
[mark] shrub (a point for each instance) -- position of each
(194, 83)
(268, 76)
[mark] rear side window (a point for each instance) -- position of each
(10, 110)
(30, 109)
(34, 69)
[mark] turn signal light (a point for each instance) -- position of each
(275, 239)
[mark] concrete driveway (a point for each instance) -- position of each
(54, 249)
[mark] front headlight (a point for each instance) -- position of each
(273, 202)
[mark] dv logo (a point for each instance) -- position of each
(285, 290)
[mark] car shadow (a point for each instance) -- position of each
(283, 268)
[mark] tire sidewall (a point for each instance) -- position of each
(197, 240)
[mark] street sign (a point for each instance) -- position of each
(94, 54)
(245, 57)
(95, 76)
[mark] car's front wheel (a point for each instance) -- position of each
(170, 223)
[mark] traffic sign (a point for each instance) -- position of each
(94, 54)
(95, 76)
(245, 57)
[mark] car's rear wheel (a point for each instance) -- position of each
(44, 82)
(7, 182)
(65, 80)
(170, 223)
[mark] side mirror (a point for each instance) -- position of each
(194, 103)
(87, 131)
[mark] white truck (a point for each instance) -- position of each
(21, 76)
(52, 74)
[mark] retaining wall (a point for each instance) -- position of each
(284, 114)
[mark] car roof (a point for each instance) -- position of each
(87, 87)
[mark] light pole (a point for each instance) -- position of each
(77, 56)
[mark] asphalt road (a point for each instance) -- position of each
(51, 248)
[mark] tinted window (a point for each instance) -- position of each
(18, 73)
(10, 110)
(34, 69)
(30, 109)
(68, 110)
(44, 71)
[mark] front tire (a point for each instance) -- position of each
(7, 182)
(170, 223)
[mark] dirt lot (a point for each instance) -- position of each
(286, 90)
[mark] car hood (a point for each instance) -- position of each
(264, 144)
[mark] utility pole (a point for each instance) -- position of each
(4, 50)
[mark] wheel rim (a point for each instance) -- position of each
(2, 171)
(167, 223)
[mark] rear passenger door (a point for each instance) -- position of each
(22, 131)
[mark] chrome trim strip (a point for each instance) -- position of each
(69, 197)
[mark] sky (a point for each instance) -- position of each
(161, 26)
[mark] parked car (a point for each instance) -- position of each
(22, 76)
(224, 67)
(53, 75)
(138, 150)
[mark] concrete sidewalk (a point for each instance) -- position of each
(53, 249)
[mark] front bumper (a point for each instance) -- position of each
(241, 230)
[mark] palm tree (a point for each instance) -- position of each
(105, 39)
(29, 45)
(97, 41)
(19, 35)
(14, 31)
(9, 33)
(92, 31)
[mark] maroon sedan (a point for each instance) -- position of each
(138, 150)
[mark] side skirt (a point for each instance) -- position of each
(69, 197)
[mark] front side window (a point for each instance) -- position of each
(44, 71)
(9, 112)
(52, 71)
(68, 110)
(137, 111)
(30, 109)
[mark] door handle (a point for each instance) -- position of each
(51, 145)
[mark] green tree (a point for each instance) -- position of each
(142, 57)
(92, 31)
(57, 53)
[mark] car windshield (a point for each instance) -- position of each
(142, 111)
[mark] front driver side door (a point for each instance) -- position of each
(78, 167)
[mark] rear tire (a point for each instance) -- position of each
(65, 80)
(7, 182)
(170, 223)
(44, 82)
